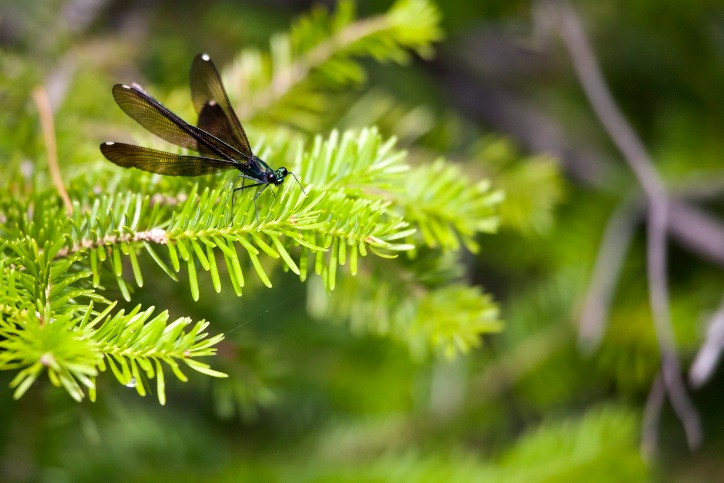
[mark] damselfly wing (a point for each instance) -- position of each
(218, 137)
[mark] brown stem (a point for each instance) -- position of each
(42, 103)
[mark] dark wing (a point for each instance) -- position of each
(213, 107)
(152, 115)
(153, 161)
(213, 120)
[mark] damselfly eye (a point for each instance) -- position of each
(280, 174)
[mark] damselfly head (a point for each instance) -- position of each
(279, 176)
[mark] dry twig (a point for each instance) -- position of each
(42, 103)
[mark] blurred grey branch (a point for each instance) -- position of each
(635, 154)
(617, 237)
(652, 414)
(490, 54)
(710, 352)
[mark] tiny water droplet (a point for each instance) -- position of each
(132, 382)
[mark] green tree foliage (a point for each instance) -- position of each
(412, 314)
(360, 198)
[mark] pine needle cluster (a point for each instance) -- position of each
(378, 237)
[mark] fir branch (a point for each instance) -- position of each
(33, 345)
(358, 183)
(40, 298)
(356, 202)
(45, 326)
(420, 303)
(354, 161)
(320, 51)
(335, 215)
(447, 207)
(533, 186)
(72, 350)
(354, 226)
(135, 347)
(359, 198)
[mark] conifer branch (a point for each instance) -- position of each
(357, 200)
(319, 52)
(440, 316)
(45, 325)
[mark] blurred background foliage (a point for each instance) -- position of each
(313, 401)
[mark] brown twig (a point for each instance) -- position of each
(42, 103)
(638, 159)
(155, 235)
